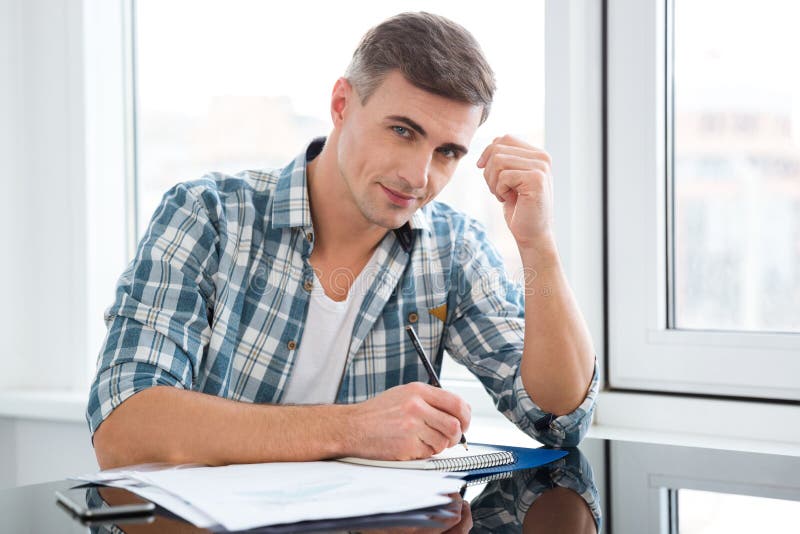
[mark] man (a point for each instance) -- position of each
(263, 316)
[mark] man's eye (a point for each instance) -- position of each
(401, 131)
(449, 153)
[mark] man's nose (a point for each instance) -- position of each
(415, 170)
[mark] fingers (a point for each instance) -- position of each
(522, 152)
(502, 163)
(445, 430)
(443, 415)
(465, 523)
(448, 403)
(512, 145)
(458, 521)
(433, 440)
(414, 420)
(500, 157)
(520, 183)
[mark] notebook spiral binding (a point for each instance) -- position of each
(489, 478)
(474, 462)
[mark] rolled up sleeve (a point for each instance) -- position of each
(158, 325)
(563, 431)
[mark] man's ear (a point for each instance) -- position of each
(341, 98)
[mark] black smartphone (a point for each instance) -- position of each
(102, 502)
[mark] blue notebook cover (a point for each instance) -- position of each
(525, 459)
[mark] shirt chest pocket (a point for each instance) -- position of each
(428, 323)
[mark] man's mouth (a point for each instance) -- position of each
(398, 198)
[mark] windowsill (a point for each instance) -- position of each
(50, 405)
(701, 441)
(698, 422)
(485, 429)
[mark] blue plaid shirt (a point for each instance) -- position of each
(216, 297)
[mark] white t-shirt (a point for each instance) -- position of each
(322, 352)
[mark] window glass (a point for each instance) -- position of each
(736, 166)
(703, 512)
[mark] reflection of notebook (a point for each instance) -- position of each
(452, 459)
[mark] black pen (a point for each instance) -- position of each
(428, 367)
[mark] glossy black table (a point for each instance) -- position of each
(606, 485)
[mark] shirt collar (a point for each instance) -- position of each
(291, 207)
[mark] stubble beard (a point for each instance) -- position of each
(379, 216)
(370, 207)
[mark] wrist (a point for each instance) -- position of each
(539, 253)
(343, 430)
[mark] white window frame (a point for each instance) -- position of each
(643, 475)
(109, 155)
(646, 355)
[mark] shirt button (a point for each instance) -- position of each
(413, 317)
(292, 345)
(308, 285)
(310, 237)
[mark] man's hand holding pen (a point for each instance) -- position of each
(407, 422)
(433, 379)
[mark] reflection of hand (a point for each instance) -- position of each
(407, 422)
(464, 524)
(162, 525)
(460, 523)
(559, 510)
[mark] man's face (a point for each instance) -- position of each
(397, 151)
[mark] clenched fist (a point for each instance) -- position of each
(518, 174)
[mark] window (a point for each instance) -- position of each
(700, 490)
(703, 218)
(736, 179)
(706, 512)
(241, 84)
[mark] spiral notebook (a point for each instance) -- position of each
(452, 459)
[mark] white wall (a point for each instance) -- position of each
(51, 151)
(34, 451)
(42, 317)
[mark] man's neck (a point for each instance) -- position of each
(341, 231)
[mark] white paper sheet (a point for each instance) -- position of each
(121, 478)
(168, 501)
(248, 496)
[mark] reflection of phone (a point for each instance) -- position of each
(105, 502)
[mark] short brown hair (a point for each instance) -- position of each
(431, 51)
